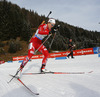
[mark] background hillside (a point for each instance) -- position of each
(17, 25)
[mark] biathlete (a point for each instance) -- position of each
(36, 44)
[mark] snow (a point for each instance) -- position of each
(54, 85)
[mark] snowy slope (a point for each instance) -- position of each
(54, 85)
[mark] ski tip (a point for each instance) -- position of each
(37, 93)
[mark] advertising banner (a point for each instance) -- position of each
(96, 50)
(83, 51)
(99, 50)
(1, 62)
(59, 54)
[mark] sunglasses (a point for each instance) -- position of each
(52, 25)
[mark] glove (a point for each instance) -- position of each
(54, 29)
(57, 27)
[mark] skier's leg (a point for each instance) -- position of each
(69, 54)
(45, 53)
(30, 54)
(72, 54)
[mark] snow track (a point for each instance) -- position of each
(54, 85)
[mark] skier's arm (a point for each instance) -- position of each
(43, 31)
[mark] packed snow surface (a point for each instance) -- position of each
(54, 85)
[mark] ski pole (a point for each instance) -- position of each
(55, 29)
(19, 69)
(43, 43)
(36, 50)
(52, 42)
(14, 75)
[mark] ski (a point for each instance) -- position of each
(24, 85)
(54, 73)
(14, 76)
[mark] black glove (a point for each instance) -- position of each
(54, 29)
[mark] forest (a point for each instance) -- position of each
(17, 25)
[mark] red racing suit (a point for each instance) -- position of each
(36, 42)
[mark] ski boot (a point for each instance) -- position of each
(43, 68)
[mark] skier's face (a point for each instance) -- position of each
(50, 25)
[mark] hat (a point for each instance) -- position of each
(52, 21)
